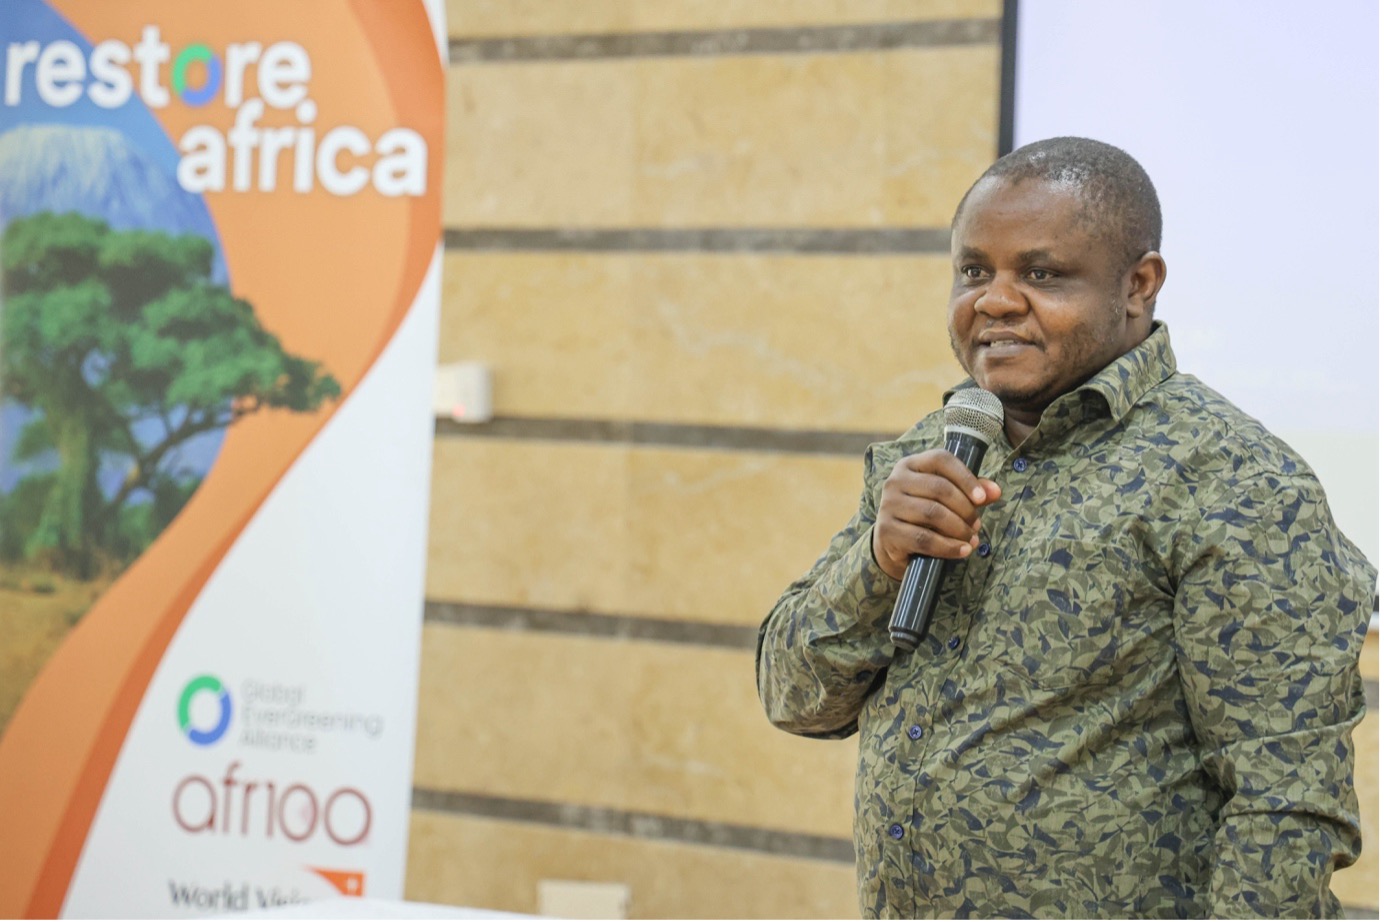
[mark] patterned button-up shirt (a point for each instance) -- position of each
(1136, 697)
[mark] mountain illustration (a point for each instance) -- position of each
(96, 171)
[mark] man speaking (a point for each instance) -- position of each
(1135, 692)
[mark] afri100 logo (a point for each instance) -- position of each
(204, 710)
(258, 806)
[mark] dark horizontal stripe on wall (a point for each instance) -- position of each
(630, 627)
(883, 36)
(609, 821)
(666, 435)
(844, 241)
(588, 624)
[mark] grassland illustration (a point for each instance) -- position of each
(122, 364)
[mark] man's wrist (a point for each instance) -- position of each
(874, 559)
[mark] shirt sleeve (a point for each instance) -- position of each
(827, 638)
(1271, 615)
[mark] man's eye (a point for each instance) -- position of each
(972, 272)
(1041, 275)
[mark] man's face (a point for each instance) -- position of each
(1036, 303)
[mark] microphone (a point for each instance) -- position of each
(974, 419)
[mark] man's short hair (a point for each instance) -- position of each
(1121, 202)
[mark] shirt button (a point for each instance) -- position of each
(896, 831)
(1020, 465)
(984, 549)
(953, 643)
(915, 732)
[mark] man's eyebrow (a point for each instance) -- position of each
(1038, 254)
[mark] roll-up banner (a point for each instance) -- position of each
(219, 287)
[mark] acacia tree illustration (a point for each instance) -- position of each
(121, 349)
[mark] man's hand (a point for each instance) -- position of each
(929, 505)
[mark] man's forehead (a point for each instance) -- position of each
(1004, 192)
(1042, 214)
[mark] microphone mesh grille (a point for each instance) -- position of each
(975, 409)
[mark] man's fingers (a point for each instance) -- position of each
(894, 542)
(937, 516)
(948, 466)
(901, 539)
(934, 545)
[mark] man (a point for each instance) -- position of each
(1138, 688)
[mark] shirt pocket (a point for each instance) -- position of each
(1070, 613)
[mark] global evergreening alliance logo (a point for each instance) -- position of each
(204, 684)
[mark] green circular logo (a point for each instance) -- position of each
(204, 683)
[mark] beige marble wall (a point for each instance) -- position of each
(503, 18)
(664, 730)
(664, 533)
(774, 140)
(1358, 885)
(470, 861)
(784, 341)
(779, 341)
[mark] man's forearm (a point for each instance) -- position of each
(825, 640)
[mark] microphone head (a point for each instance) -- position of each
(975, 411)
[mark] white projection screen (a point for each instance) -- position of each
(1258, 121)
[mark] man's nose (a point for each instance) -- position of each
(1001, 299)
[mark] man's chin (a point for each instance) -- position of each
(1015, 390)
(1009, 393)
(1015, 397)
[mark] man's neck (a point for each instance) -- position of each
(1018, 425)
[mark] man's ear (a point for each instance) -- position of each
(1142, 284)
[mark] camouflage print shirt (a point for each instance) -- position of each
(1136, 697)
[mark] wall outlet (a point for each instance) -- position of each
(461, 392)
(580, 899)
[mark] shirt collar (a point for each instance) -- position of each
(1121, 384)
(1125, 381)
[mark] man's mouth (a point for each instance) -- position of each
(1002, 343)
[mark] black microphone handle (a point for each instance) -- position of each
(918, 594)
